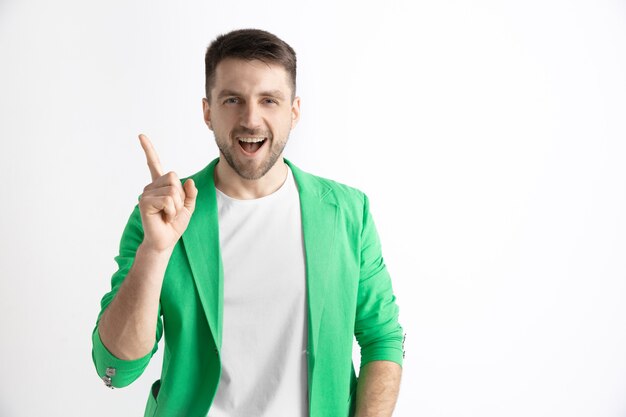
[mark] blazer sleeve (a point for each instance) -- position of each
(377, 329)
(114, 371)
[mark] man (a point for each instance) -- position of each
(258, 274)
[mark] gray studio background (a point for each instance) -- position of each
(490, 137)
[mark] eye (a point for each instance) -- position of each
(270, 101)
(231, 100)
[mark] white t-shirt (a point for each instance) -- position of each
(264, 341)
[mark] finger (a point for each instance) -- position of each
(191, 192)
(151, 156)
(166, 180)
(159, 204)
(170, 191)
(169, 209)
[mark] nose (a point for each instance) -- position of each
(251, 116)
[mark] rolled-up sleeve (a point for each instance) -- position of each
(377, 328)
(114, 371)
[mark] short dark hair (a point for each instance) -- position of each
(249, 44)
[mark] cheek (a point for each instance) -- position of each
(284, 123)
(223, 116)
(220, 131)
(222, 124)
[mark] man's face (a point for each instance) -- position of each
(251, 114)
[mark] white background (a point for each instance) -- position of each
(490, 137)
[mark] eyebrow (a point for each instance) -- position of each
(269, 93)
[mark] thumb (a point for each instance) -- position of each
(191, 192)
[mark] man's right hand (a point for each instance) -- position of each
(166, 205)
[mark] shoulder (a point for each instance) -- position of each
(325, 187)
(343, 192)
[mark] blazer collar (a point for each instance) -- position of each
(201, 242)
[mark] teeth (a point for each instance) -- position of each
(251, 140)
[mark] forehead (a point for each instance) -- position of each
(250, 76)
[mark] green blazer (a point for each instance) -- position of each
(349, 294)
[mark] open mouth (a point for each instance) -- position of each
(251, 145)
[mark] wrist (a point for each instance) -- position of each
(158, 255)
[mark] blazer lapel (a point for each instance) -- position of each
(319, 222)
(202, 245)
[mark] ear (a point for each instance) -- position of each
(295, 112)
(206, 109)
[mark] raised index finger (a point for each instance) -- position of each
(153, 159)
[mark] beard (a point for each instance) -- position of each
(246, 168)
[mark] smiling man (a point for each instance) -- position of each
(257, 274)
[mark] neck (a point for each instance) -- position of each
(234, 186)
